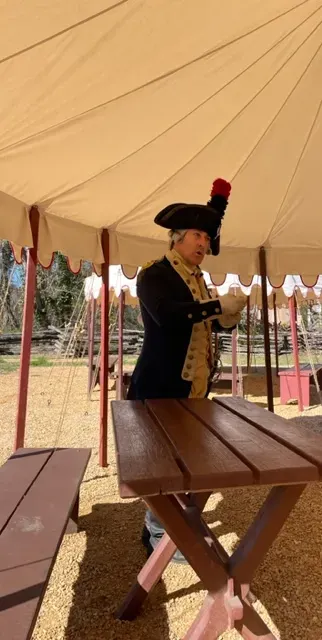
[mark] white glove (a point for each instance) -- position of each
(227, 321)
(231, 305)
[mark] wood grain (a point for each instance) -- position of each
(145, 462)
(306, 443)
(30, 541)
(272, 462)
(209, 462)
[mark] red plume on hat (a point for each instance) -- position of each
(219, 195)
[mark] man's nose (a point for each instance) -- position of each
(203, 242)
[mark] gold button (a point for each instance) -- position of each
(190, 315)
(188, 366)
(193, 290)
(188, 281)
(175, 262)
(190, 357)
(204, 313)
(186, 374)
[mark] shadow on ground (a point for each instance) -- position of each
(288, 583)
(113, 557)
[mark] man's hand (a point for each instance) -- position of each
(228, 321)
(232, 305)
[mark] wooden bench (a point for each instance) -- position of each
(126, 383)
(225, 381)
(39, 498)
(288, 383)
(112, 360)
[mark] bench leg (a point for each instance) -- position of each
(72, 526)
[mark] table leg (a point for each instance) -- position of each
(263, 531)
(251, 626)
(226, 578)
(154, 567)
(148, 577)
(216, 614)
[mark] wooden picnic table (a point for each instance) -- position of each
(174, 454)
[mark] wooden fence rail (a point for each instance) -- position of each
(56, 341)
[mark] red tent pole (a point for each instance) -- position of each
(268, 364)
(119, 390)
(104, 350)
(28, 315)
(296, 352)
(275, 335)
(248, 333)
(91, 336)
(234, 362)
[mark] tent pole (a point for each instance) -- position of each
(296, 352)
(28, 315)
(268, 364)
(104, 350)
(275, 335)
(91, 337)
(234, 362)
(120, 388)
(248, 333)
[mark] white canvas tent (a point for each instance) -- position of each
(110, 110)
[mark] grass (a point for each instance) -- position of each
(40, 361)
(8, 364)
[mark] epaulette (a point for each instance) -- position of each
(149, 264)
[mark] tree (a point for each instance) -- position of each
(11, 288)
(58, 290)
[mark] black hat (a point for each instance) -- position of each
(207, 217)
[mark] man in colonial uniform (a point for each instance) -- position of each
(179, 315)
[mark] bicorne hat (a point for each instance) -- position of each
(205, 217)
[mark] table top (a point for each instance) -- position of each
(305, 370)
(171, 446)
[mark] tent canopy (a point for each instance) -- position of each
(111, 110)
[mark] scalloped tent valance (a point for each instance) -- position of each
(232, 284)
(94, 143)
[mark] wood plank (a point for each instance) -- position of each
(16, 476)
(305, 370)
(112, 360)
(272, 462)
(296, 437)
(209, 463)
(30, 542)
(145, 462)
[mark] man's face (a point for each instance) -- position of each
(194, 246)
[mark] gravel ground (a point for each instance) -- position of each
(96, 567)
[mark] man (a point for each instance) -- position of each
(179, 315)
